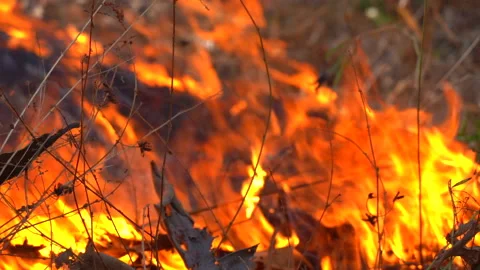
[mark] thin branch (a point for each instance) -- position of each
(460, 60)
(267, 124)
(419, 165)
(377, 170)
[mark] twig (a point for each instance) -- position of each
(374, 160)
(170, 114)
(48, 75)
(81, 148)
(267, 124)
(459, 61)
(192, 244)
(180, 113)
(143, 237)
(469, 229)
(328, 203)
(419, 165)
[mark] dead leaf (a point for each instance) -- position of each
(64, 258)
(97, 260)
(462, 182)
(238, 260)
(13, 164)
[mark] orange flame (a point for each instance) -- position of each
(311, 121)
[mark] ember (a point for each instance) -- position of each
(179, 135)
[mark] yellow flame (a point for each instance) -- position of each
(326, 263)
(7, 6)
(16, 33)
(258, 182)
(325, 95)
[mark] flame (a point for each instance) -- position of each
(258, 180)
(7, 6)
(326, 263)
(324, 129)
(253, 198)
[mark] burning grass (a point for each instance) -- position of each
(290, 168)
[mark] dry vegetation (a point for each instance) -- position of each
(403, 53)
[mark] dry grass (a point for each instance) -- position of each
(78, 168)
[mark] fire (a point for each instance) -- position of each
(258, 180)
(316, 135)
(7, 6)
(326, 263)
(252, 198)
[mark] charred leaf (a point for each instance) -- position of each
(372, 219)
(13, 164)
(238, 260)
(63, 189)
(25, 250)
(64, 258)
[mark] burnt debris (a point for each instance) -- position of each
(14, 163)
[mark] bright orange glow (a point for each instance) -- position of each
(252, 197)
(82, 45)
(7, 6)
(156, 75)
(326, 263)
(18, 34)
(326, 96)
(239, 107)
(313, 130)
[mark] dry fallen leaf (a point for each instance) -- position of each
(13, 164)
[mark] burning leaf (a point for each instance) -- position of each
(14, 163)
(92, 259)
(63, 189)
(192, 244)
(168, 197)
(240, 259)
(372, 219)
(462, 182)
(25, 249)
(64, 258)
